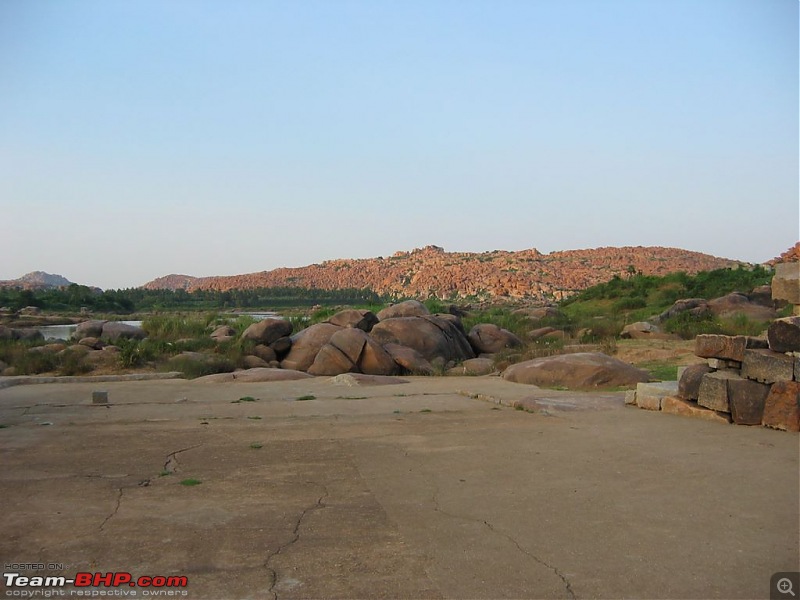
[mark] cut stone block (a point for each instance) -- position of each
(630, 397)
(677, 406)
(689, 382)
(721, 363)
(714, 390)
(767, 366)
(720, 346)
(784, 335)
(782, 406)
(747, 401)
(649, 395)
(786, 282)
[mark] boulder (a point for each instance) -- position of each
(114, 330)
(695, 306)
(736, 303)
(6, 333)
(352, 351)
(409, 308)
(535, 334)
(473, 366)
(223, 333)
(28, 335)
(92, 342)
(645, 331)
(543, 312)
(359, 319)
(75, 350)
(762, 295)
(254, 362)
(581, 370)
(48, 348)
(268, 331)
(432, 336)
(93, 328)
(263, 352)
(489, 338)
(306, 345)
(409, 359)
(784, 335)
(281, 346)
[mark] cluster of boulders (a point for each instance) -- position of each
(404, 338)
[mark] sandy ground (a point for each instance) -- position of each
(426, 489)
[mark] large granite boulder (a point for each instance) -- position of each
(409, 308)
(435, 338)
(487, 338)
(353, 351)
(268, 331)
(735, 303)
(409, 359)
(360, 319)
(694, 306)
(114, 330)
(93, 328)
(576, 371)
(306, 344)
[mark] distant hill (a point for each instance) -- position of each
(37, 280)
(430, 271)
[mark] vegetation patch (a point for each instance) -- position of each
(190, 482)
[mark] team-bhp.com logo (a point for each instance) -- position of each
(156, 585)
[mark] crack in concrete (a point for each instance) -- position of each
(273, 574)
(171, 464)
(437, 508)
(115, 511)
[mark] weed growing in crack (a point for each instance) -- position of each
(165, 473)
(256, 446)
(426, 410)
(190, 482)
(256, 418)
(247, 399)
(306, 397)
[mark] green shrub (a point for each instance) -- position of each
(193, 368)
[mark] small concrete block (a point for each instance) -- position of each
(677, 406)
(782, 406)
(689, 381)
(767, 366)
(720, 346)
(713, 392)
(747, 401)
(99, 397)
(630, 397)
(784, 334)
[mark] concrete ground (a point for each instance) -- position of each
(426, 489)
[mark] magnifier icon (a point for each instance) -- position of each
(785, 586)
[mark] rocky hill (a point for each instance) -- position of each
(430, 271)
(36, 280)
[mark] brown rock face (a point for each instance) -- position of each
(352, 351)
(409, 359)
(306, 344)
(747, 401)
(489, 339)
(576, 371)
(431, 271)
(782, 406)
(431, 336)
(409, 308)
(360, 319)
(720, 346)
(685, 408)
(739, 304)
(268, 331)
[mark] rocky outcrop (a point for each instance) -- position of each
(306, 344)
(353, 351)
(431, 271)
(736, 303)
(435, 338)
(576, 371)
(487, 338)
(113, 331)
(268, 331)
(360, 319)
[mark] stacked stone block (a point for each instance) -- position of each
(745, 380)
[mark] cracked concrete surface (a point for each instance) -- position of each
(432, 489)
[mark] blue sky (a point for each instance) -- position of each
(142, 138)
